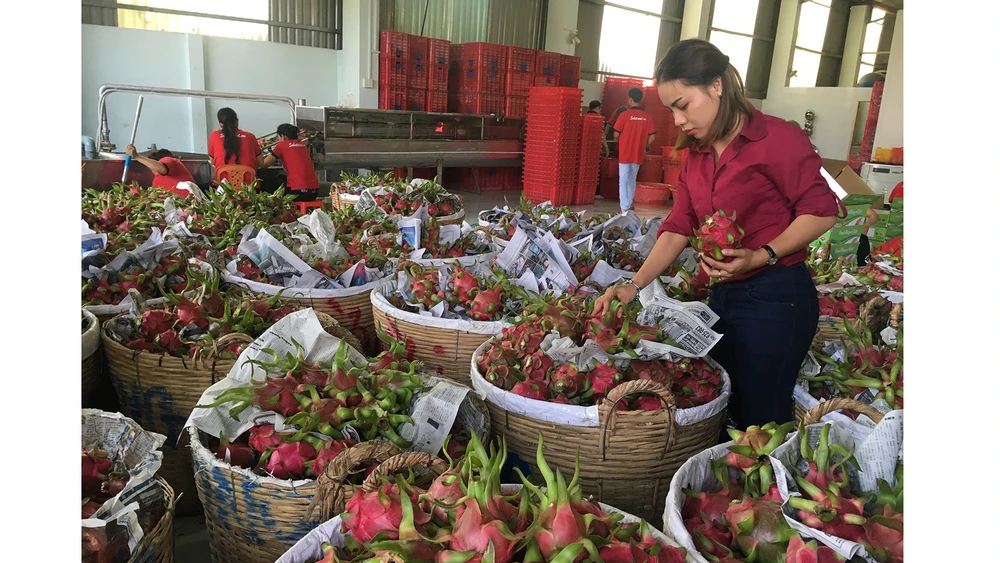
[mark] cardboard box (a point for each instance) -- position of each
(843, 234)
(897, 204)
(843, 249)
(874, 243)
(883, 217)
(880, 231)
(893, 231)
(895, 218)
(848, 185)
(856, 215)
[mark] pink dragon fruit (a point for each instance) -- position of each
(288, 460)
(264, 436)
(567, 380)
(800, 551)
(719, 232)
(536, 366)
(531, 390)
(156, 321)
(486, 304)
(603, 378)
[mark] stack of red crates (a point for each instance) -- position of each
(615, 93)
(589, 172)
(393, 70)
(663, 120)
(552, 144)
(569, 71)
(413, 72)
(520, 77)
(491, 178)
(481, 76)
(672, 161)
(868, 139)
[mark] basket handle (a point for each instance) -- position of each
(330, 495)
(838, 403)
(636, 386)
(403, 461)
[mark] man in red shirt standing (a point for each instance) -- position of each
(634, 132)
(169, 171)
(295, 157)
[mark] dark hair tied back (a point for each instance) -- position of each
(230, 139)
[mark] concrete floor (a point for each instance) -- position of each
(191, 538)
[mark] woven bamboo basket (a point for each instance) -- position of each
(353, 312)
(340, 200)
(254, 519)
(815, 414)
(157, 545)
(627, 460)
(876, 314)
(445, 348)
(159, 392)
(455, 218)
(92, 372)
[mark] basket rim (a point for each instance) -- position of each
(591, 414)
(203, 456)
(302, 292)
(487, 328)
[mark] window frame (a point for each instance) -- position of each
(758, 73)
(336, 30)
(834, 44)
(669, 34)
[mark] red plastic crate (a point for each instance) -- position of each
(614, 93)
(454, 64)
(439, 53)
(671, 157)
(480, 104)
(671, 176)
(393, 72)
(416, 99)
(392, 97)
(520, 70)
(542, 80)
(483, 68)
(437, 101)
(516, 106)
(417, 75)
(588, 175)
(651, 169)
(569, 71)
(548, 63)
(663, 121)
(418, 49)
(394, 44)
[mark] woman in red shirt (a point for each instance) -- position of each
(296, 160)
(764, 169)
(169, 171)
(230, 144)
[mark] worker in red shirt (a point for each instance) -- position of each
(634, 131)
(298, 164)
(232, 145)
(168, 170)
(765, 170)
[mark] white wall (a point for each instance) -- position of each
(835, 108)
(154, 58)
(889, 132)
(562, 14)
(358, 60)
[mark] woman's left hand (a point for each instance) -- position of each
(744, 260)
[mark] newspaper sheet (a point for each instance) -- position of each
(148, 254)
(845, 281)
(876, 450)
(542, 256)
(139, 451)
(434, 413)
(281, 265)
(324, 232)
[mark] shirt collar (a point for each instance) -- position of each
(753, 130)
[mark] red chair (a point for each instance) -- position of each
(238, 175)
(303, 207)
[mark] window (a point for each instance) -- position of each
(809, 38)
(821, 34)
(744, 30)
(297, 22)
(869, 50)
(628, 41)
(625, 37)
(733, 23)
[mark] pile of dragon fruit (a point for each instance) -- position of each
(742, 519)
(485, 295)
(861, 370)
(394, 196)
(845, 305)
(197, 319)
(825, 271)
(515, 362)
(464, 515)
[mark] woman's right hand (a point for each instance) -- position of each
(622, 292)
(130, 150)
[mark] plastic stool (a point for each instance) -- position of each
(304, 206)
(238, 175)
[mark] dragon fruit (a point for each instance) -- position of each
(156, 321)
(719, 232)
(264, 436)
(760, 530)
(603, 378)
(235, 454)
(288, 460)
(800, 551)
(326, 453)
(883, 538)
(486, 304)
(531, 390)
(465, 284)
(369, 513)
(536, 366)
(568, 381)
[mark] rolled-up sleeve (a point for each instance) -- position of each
(797, 175)
(682, 219)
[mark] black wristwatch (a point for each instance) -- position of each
(773, 257)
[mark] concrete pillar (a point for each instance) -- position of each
(357, 66)
(694, 22)
(853, 45)
(562, 16)
(889, 131)
(201, 125)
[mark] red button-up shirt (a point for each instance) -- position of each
(769, 175)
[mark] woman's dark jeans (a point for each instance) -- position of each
(768, 322)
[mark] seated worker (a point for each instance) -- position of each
(298, 164)
(169, 171)
(231, 145)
